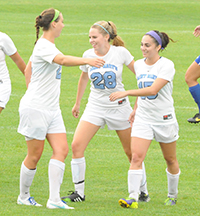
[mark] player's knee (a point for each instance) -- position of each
(76, 148)
(170, 160)
(187, 78)
(136, 158)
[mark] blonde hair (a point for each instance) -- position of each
(105, 27)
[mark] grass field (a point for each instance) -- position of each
(107, 165)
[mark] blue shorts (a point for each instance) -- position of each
(197, 60)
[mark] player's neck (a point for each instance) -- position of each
(102, 51)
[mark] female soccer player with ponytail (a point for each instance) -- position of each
(40, 114)
(100, 110)
(154, 118)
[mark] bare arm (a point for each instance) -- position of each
(81, 89)
(131, 66)
(28, 73)
(148, 91)
(18, 61)
(75, 61)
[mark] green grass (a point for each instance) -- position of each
(107, 165)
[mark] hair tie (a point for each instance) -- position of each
(109, 23)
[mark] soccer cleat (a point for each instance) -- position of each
(195, 119)
(28, 201)
(144, 197)
(58, 205)
(170, 201)
(73, 197)
(128, 203)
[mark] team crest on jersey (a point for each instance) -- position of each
(167, 117)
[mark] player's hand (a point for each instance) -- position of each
(196, 32)
(96, 62)
(132, 117)
(75, 111)
(116, 95)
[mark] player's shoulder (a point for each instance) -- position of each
(4, 36)
(88, 53)
(139, 61)
(117, 48)
(166, 61)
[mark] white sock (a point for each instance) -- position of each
(56, 171)
(78, 167)
(134, 182)
(143, 186)
(26, 178)
(173, 184)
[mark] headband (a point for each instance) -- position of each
(56, 15)
(156, 37)
(102, 28)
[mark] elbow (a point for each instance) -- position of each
(153, 92)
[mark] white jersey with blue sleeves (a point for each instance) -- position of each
(44, 89)
(108, 78)
(156, 109)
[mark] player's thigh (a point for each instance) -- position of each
(58, 142)
(169, 150)
(82, 136)
(1, 108)
(125, 138)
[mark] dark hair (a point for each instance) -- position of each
(44, 20)
(164, 37)
(111, 28)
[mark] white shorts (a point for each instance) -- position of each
(5, 91)
(116, 119)
(161, 133)
(36, 124)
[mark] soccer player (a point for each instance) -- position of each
(191, 76)
(154, 117)
(7, 47)
(100, 110)
(40, 114)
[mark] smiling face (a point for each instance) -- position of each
(149, 47)
(98, 40)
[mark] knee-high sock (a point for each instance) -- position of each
(195, 92)
(172, 184)
(56, 171)
(78, 167)
(134, 182)
(143, 186)
(26, 178)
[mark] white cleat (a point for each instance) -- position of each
(28, 201)
(61, 205)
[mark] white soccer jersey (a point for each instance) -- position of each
(7, 47)
(44, 89)
(156, 109)
(108, 78)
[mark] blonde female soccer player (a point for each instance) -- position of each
(99, 110)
